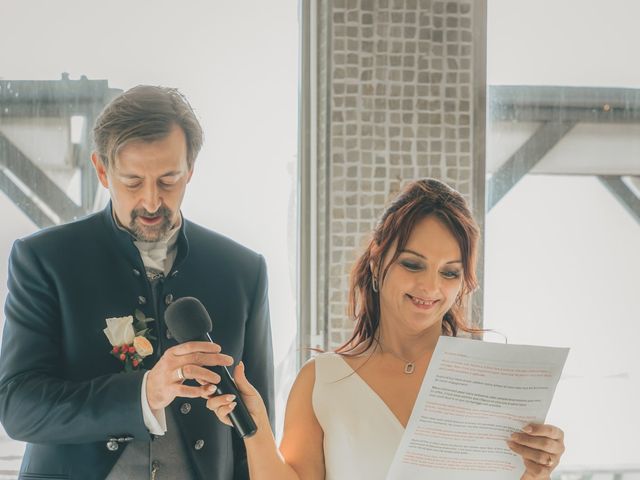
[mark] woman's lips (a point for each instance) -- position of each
(421, 302)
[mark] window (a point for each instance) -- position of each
(237, 63)
(563, 220)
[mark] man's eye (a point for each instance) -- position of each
(412, 266)
(133, 185)
(450, 274)
(166, 185)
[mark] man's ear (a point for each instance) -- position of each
(190, 174)
(101, 170)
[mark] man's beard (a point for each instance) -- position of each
(151, 233)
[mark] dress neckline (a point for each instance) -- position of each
(373, 393)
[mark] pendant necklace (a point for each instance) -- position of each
(409, 365)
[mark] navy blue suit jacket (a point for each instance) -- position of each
(60, 388)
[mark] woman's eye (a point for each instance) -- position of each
(450, 274)
(412, 266)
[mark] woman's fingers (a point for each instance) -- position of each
(535, 471)
(244, 387)
(222, 406)
(532, 454)
(543, 430)
(548, 439)
(540, 446)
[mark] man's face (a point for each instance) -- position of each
(147, 182)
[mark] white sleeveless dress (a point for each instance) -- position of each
(361, 434)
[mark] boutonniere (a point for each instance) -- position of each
(129, 338)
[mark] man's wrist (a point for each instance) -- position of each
(154, 419)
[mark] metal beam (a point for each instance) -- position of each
(307, 294)
(37, 181)
(25, 203)
(560, 104)
(88, 178)
(479, 144)
(44, 110)
(580, 97)
(627, 197)
(524, 159)
(511, 113)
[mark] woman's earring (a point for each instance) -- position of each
(374, 284)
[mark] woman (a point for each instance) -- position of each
(347, 410)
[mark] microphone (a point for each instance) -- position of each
(188, 321)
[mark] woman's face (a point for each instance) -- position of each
(423, 283)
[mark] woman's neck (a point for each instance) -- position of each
(409, 346)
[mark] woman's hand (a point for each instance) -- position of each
(541, 447)
(222, 405)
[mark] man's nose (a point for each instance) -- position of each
(151, 200)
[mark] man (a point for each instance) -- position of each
(90, 409)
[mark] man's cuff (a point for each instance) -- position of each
(154, 420)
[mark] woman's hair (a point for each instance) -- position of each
(419, 199)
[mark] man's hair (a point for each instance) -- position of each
(145, 113)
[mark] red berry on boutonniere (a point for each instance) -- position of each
(128, 338)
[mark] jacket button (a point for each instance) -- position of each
(142, 300)
(168, 299)
(185, 408)
(112, 445)
(174, 273)
(136, 272)
(199, 444)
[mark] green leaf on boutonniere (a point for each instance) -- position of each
(141, 321)
(139, 315)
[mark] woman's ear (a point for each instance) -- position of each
(373, 268)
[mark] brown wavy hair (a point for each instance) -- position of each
(419, 199)
(147, 113)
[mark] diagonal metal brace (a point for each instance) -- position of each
(37, 181)
(627, 197)
(25, 203)
(524, 159)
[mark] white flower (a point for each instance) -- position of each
(120, 331)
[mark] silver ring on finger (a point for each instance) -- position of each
(180, 374)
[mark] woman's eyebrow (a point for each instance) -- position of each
(422, 256)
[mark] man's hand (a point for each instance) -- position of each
(182, 362)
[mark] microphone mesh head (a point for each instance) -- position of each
(187, 320)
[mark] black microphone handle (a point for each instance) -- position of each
(239, 416)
